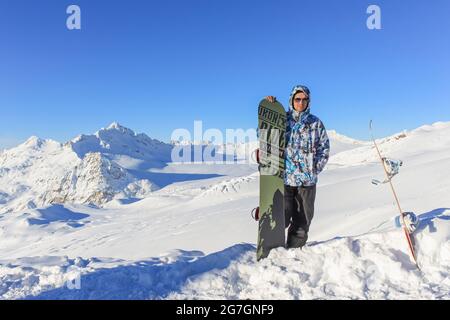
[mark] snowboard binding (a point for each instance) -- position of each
(255, 157)
(410, 219)
(255, 214)
(392, 169)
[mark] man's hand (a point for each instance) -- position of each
(271, 99)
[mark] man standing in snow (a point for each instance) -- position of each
(307, 153)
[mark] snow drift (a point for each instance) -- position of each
(372, 266)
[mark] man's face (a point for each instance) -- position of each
(300, 102)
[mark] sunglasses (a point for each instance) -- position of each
(301, 99)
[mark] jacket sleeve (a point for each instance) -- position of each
(322, 149)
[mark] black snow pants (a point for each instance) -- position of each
(299, 211)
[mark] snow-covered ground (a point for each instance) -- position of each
(110, 215)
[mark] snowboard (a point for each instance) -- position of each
(408, 235)
(271, 135)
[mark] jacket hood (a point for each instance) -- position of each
(299, 88)
(292, 112)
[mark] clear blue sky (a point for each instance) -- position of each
(155, 65)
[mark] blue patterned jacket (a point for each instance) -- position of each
(307, 149)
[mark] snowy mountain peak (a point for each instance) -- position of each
(119, 140)
(115, 126)
(34, 141)
(33, 145)
(332, 134)
(91, 168)
(340, 142)
(37, 143)
(96, 179)
(440, 125)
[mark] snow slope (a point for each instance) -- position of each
(340, 143)
(372, 266)
(194, 234)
